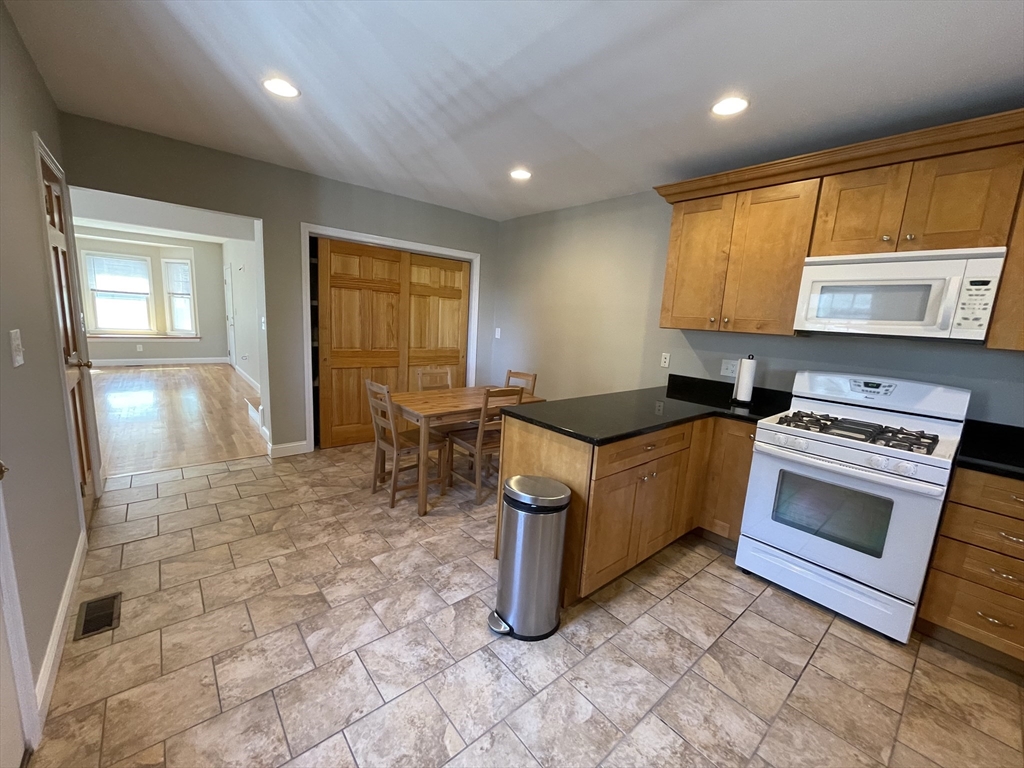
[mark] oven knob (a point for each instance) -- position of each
(905, 468)
(878, 462)
(782, 439)
(799, 443)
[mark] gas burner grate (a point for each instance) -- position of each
(906, 440)
(862, 431)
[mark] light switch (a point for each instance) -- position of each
(138, 347)
(497, 333)
(17, 351)
(263, 323)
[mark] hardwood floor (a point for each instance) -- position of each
(163, 416)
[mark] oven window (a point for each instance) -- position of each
(880, 303)
(847, 517)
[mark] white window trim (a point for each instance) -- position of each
(167, 298)
(91, 325)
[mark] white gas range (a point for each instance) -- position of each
(845, 493)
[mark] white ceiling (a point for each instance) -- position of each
(439, 100)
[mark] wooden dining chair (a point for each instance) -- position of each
(434, 378)
(482, 441)
(390, 442)
(529, 380)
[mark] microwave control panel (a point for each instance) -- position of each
(977, 295)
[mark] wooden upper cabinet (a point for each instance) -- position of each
(861, 211)
(962, 201)
(698, 259)
(1006, 331)
(770, 238)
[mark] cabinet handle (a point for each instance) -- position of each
(997, 622)
(650, 447)
(886, 238)
(1003, 575)
(1014, 539)
(1015, 497)
(910, 237)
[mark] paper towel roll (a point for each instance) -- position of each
(744, 387)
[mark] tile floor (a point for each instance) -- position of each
(276, 614)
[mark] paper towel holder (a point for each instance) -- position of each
(743, 388)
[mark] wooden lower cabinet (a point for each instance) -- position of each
(982, 614)
(732, 449)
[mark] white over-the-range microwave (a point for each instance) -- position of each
(945, 294)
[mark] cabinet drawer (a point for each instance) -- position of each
(984, 529)
(992, 492)
(977, 612)
(990, 569)
(635, 451)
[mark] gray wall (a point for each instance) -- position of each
(40, 491)
(115, 159)
(209, 292)
(580, 296)
(246, 287)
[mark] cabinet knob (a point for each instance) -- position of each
(725, 319)
(751, 437)
(910, 237)
(645, 478)
(711, 319)
(886, 238)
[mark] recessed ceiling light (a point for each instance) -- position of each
(732, 105)
(281, 87)
(520, 174)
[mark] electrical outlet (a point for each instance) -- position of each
(729, 367)
(138, 347)
(245, 357)
(659, 407)
(497, 333)
(665, 357)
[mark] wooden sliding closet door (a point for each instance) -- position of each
(383, 315)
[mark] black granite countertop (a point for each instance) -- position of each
(994, 448)
(602, 419)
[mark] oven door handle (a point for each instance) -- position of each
(912, 486)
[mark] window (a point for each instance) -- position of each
(119, 296)
(179, 297)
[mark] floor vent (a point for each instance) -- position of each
(99, 615)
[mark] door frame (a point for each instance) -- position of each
(229, 309)
(318, 230)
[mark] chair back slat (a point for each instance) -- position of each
(434, 378)
(528, 380)
(382, 413)
(490, 420)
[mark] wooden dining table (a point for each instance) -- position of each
(443, 406)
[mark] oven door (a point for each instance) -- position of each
(869, 526)
(890, 298)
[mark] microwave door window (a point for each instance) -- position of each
(878, 303)
(844, 516)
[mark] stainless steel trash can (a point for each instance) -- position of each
(530, 560)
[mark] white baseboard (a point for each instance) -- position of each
(249, 379)
(55, 648)
(159, 361)
(288, 449)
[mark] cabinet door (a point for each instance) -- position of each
(732, 448)
(698, 259)
(861, 211)
(609, 547)
(962, 201)
(657, 497)
(770, 238)
(1006, 331)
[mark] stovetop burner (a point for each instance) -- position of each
(862, 431)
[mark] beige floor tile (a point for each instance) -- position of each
(660, 650)
(241, 584)
(290, 496)
(324, 701)
(303, 564)
(796, 741)
(586, 625)
(461, 627)
(720, 728)
(701, 546)
(109, 516)
(950, 742)
(220, 495)
(192, 566)
(725, 568)
(101, 673)
(329, 753)
(618, 686)
(277, 519)
(109, 535)
(624, 600)
(904, 757)
(988, 676)
(131, 582)
(862, 670)
(74, 647)
(348, 582)
(204, 469)
(658, 579)
(771, 643)
(189, 641)
(156, 610)
(151, 757)
(404, 602)
(354, 520)
(900, 654)
(117, 483)
(138, 510)
(538, 663)
(652, 743)
(682, 559)
(128, 495)
(250, 463)
(402, 660)
(101, 561)
(189, 518)
(231, 478)
(693, 620)
(719, 595)
(229, 510)
(262, 547)
(156, 548)
(358, 547)
(498, 748)
(159, 476)
(248, 735)
(222, 532)
(71, 740)
(457, 580)
(486, 562)
(340, 630)
(153, 711)
(404, 532)
(964, 700)
(317, 532)
(175, 487)
(450, 546)
(405, 563)
(560, 727)
(855, 717)
(286, 605)
(798, 616)
(256, 487)
(758, 686)
(260, 665)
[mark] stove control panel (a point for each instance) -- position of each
(866, 387)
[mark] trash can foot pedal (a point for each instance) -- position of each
(497, 625)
